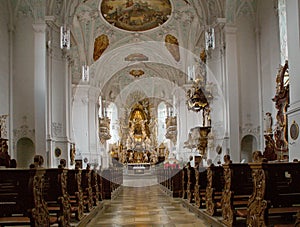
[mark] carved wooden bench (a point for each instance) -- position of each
(95, 183)
(184, 182)
(86, 184)
(106, 177)
(237, 190)
(21, 198)
(191, 184)
(200, 187)
(276, 192)
(176, 182)
(214, 189)
(56, 196)
(74, 190)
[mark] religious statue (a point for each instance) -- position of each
(269, 152)
(72, 154)
(268, 123)
(206, 117)
(257, 156)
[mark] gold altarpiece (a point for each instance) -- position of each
(138, 136)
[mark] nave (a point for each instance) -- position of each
(145, 206)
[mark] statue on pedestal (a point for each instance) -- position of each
(268, 123)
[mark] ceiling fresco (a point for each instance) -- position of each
(136, 15)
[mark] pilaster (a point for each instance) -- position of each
(293, 37)
(40, 89)
(232, 88)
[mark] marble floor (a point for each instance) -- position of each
(144, 207)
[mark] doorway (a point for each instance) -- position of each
(25, 152)
(248, 145)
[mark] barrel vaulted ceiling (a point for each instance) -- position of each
(186, 24)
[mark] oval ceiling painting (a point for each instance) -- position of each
(136, 15)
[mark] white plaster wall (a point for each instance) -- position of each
(269, 52)
(4, 59)
(23, 81)
(58, 81)
(293, 32)
(81, 120)
(247, 66)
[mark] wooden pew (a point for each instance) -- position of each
(200, 186)
(106, 177)
(184, 182)
(276, 192)
(86, 184)
(191, 184)
(214, 189)
(237, 190)
(95, 183)
(21, 198)
(56, 196)
(176, 182)
(74, 190)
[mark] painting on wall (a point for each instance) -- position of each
(136, 15)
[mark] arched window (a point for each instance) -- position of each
(282, 31)
(161, 127)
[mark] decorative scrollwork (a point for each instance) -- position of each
(210, 206)
(197, 196)
(257, 205)
(79, 197)
(227, 206)
(65, 200)
(40, 213)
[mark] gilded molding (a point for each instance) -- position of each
(65, 201)
(196, 191)
(227, 195)
(257, 205)
(210, 206)
(40, 213)
(79, 196)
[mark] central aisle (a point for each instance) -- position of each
(144, 206)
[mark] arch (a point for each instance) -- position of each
(248, 145)
(25, 152)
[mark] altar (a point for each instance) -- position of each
(138, 168)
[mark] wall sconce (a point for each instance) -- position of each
(65, 41)
(210, 39)
(85, 73)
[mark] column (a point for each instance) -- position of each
(232, 87)
(93, 123)
(40, 88)
(293, 37)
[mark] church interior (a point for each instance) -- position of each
(189, 105)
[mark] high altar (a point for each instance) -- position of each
(138, 137)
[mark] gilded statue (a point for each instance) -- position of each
(100, 45)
